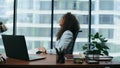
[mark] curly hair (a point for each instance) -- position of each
(70, 23)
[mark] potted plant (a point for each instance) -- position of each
(97, 45)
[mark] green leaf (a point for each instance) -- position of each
(98, 46)
(97, 51)
(106, 53)
(105, 47)
(94, 42)
(105, 40)
(85, 47)
(101, 35)
(93, 38)
(95, 45)
(96, 35)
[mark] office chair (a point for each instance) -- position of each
(69, 49)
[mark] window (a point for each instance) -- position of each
(34, 21)
(84, 4)
(6, 16)
(106, 19)
(106, 4)
(80, 9)
(108, 33)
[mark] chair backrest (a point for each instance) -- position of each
(69, 49)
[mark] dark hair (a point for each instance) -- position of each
(70, 23)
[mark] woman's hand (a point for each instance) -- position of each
(42, 49)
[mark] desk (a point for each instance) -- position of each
(50, 62)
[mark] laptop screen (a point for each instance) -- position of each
(15, 46)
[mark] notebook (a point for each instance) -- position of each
(15, 47)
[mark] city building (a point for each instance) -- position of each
(33, 19)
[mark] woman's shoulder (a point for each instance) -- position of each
(68, 32)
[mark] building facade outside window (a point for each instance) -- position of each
(6, 17)
(34, 21)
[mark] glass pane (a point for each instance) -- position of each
(107, 21)
(80, 9)
(106, 4)
(34, 22)
(6, 17)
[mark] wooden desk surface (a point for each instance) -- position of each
(50, 61)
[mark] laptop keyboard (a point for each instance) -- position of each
(34, 56)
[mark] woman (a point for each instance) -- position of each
(69, 27)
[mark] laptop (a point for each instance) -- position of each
(15, 47)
